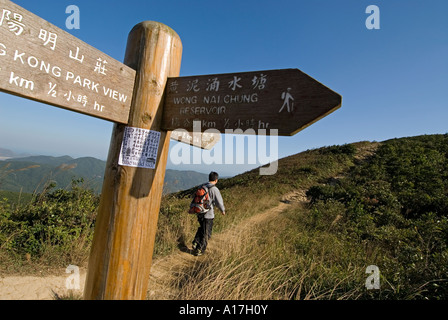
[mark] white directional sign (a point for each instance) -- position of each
(41, 62)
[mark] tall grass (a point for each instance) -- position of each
(249, 194)
(388, 211)
(277, 260)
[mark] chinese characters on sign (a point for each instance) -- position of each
(284, 100)
(139, 148)
(42, 62)
(13, 21)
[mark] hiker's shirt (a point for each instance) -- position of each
(216, 200)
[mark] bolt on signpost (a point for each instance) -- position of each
(146, 100)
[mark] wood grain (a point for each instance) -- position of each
(41, 62)
(121, 254)
(286, 100)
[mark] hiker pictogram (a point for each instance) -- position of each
(288, 101)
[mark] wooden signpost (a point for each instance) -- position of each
(146, 100)
(121, 255)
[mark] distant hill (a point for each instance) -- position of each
(7, 154)
(181, 180)
(31, 174)
(55, 161)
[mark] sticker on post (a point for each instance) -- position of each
(139, 148)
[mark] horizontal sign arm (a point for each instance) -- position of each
(286, 100)
(41, 62)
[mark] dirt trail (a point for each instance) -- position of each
(37, 288)
(49, 287)
(165, 269)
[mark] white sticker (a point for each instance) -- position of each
(139, 148)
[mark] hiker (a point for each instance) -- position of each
(204, 232)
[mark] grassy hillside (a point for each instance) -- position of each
(383, 204)
(369, 204)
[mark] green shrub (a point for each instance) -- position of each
(55, 228)
(398, 201)
(346, 149)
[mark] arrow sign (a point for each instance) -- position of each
(41, 62)
(287, 100)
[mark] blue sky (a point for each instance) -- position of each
(394, 81)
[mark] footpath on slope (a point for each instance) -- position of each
(52, 287)
(163, 269)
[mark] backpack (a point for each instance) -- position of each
(201, 202)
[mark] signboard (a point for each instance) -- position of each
(41, 62)
(287, 100)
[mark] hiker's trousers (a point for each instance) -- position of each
(204, 233)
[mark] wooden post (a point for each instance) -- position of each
(121, 254)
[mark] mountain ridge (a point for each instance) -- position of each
(9, 154)
(30, 174)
